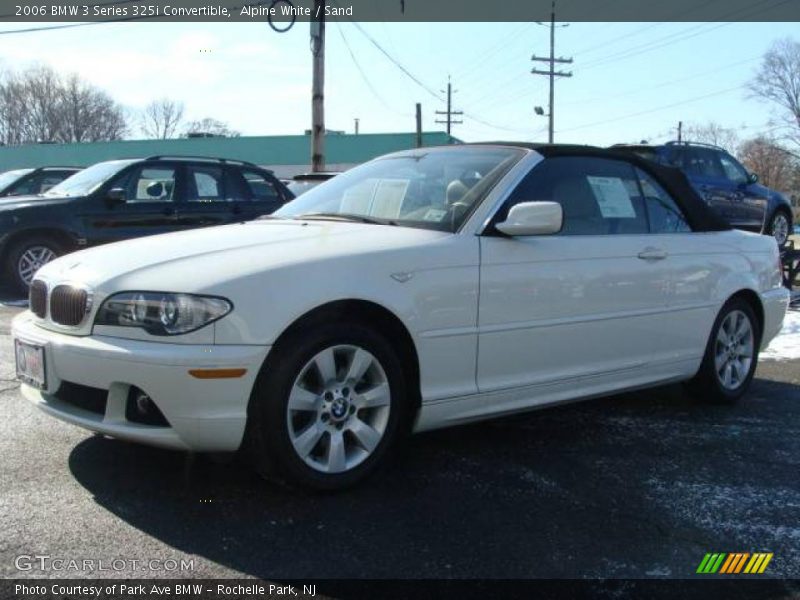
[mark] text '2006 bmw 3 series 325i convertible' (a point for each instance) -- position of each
(423, 289)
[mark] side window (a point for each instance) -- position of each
(205, 184)
(148, 184)
(260, 187)
(598, 196)
(25, 187)
(733, 170)
(702, 162)
(665, 215)
(49, 180)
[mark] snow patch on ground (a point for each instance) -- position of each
(786, 346)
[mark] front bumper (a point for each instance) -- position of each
(205, 415)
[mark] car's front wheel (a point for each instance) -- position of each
(27, 256)
(327, 407)
(779, 227)
(731, 354)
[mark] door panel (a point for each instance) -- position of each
(584, 302)
(150, 207)
(559, 307)
(749, 203)
(706, 173)
(208, 200)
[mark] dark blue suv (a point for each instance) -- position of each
(726, 185)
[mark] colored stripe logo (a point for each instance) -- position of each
(734, 563)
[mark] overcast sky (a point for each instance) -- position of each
(632, 81)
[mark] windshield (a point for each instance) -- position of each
(433, 188)
(86, 181)
(10, 177)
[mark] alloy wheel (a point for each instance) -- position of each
(734, 349)
(780, 228)
(338, 408)
(33, 259)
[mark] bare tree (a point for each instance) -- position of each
(212, 127)
(161, 118)
(38, 105)
(713, 133)
(89, 114)
(41, 88)
(776, 167)
(778, 81)
(13, 110)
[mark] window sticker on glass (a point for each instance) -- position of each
(612, 197)
(357, 199)
(388, 198)
(434, 214)
(382, 198)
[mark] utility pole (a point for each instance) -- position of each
(318, 88)
(680, 131)
(419, 125)
(551, 72)
(356, 125)
(450, 112)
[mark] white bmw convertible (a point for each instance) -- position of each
(423, 289)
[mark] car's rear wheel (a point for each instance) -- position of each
(327, 407)
(779, 227)
(27, 256)
(731, 355)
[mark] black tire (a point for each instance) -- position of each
(770, 228)
(706, 385)
(17, 251)
(268, 439)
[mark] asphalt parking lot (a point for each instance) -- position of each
(636, 485)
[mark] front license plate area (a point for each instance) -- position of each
(30, 364)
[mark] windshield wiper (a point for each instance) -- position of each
(344, 217)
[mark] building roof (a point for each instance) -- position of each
(261, 150)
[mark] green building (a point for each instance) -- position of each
(287, 155)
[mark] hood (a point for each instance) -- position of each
(8, 203)
(199, 259)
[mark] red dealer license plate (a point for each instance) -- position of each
(30, 364)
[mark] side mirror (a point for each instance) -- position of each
(116, 196)
(753, 178)
(533, 218)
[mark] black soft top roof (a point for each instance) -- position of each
(700, 216)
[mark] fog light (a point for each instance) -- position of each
(140, 408)
(144, 403)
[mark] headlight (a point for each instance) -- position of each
(161, 313)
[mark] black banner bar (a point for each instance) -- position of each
(702, 588)
(32, 11)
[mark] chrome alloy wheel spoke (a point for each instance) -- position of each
(338, 408)
(734, 350)
(32, 260)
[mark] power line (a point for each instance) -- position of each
(640, 30)
(683, 35)
(640, 90)
(504, 45)
(396, 63)
(427, 88)
(647, 112)
(364, 75)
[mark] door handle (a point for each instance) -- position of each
(652, 254)
(169, 211)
